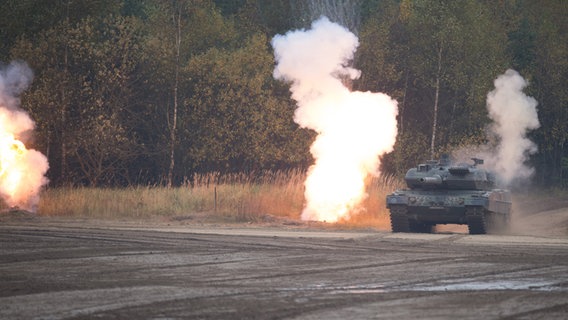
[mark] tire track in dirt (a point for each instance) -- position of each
(117, 272)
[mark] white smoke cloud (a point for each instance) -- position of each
(354, 128)
(513, 114)
(14, 79)
(21, 170)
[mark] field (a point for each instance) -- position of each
(224, 246)
(211, 197)
(206, 251)
(270, 198)
(61, 270)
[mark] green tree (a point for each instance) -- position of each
(30, 17)
(438, 59)
(237, 121)
(49, 99)
(539, 48)
(179, 86)
(447, 54)
(84, 84)
(179, 30)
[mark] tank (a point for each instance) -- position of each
(440, 192)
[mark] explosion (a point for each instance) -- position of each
(21, 170)
(353, 128)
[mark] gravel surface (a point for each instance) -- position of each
(69, 269)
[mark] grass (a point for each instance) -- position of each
(237, 198)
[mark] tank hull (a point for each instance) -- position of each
(481, 210)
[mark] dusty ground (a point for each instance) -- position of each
(70, 268)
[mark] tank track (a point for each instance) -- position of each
(399, 219)
(420, 227)
(476, 220)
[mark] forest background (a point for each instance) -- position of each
(149, 92)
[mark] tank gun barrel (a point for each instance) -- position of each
(433, 180)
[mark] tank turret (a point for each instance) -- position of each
(443, 175)
(440, 192)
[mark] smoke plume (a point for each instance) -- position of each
(21, 170)
(353, 128)
(513, 115)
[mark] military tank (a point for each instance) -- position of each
(440, 192)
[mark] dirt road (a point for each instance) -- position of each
(59, 270)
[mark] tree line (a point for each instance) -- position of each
(153, 92)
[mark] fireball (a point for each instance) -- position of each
(353, 128)
(22, 170)
(11, 153)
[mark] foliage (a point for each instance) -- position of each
(234, 120)
(212, 197)
(84, 86)
(109, 80)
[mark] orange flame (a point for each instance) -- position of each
(22, 170)
(354, 128)
(359, 128)
(11, 153)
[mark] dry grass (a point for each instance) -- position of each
(235, 197)
(374, 212)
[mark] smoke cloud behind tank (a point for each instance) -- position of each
(513, 115)
(353, 128)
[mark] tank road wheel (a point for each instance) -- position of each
(399, 219)
(476, 220)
